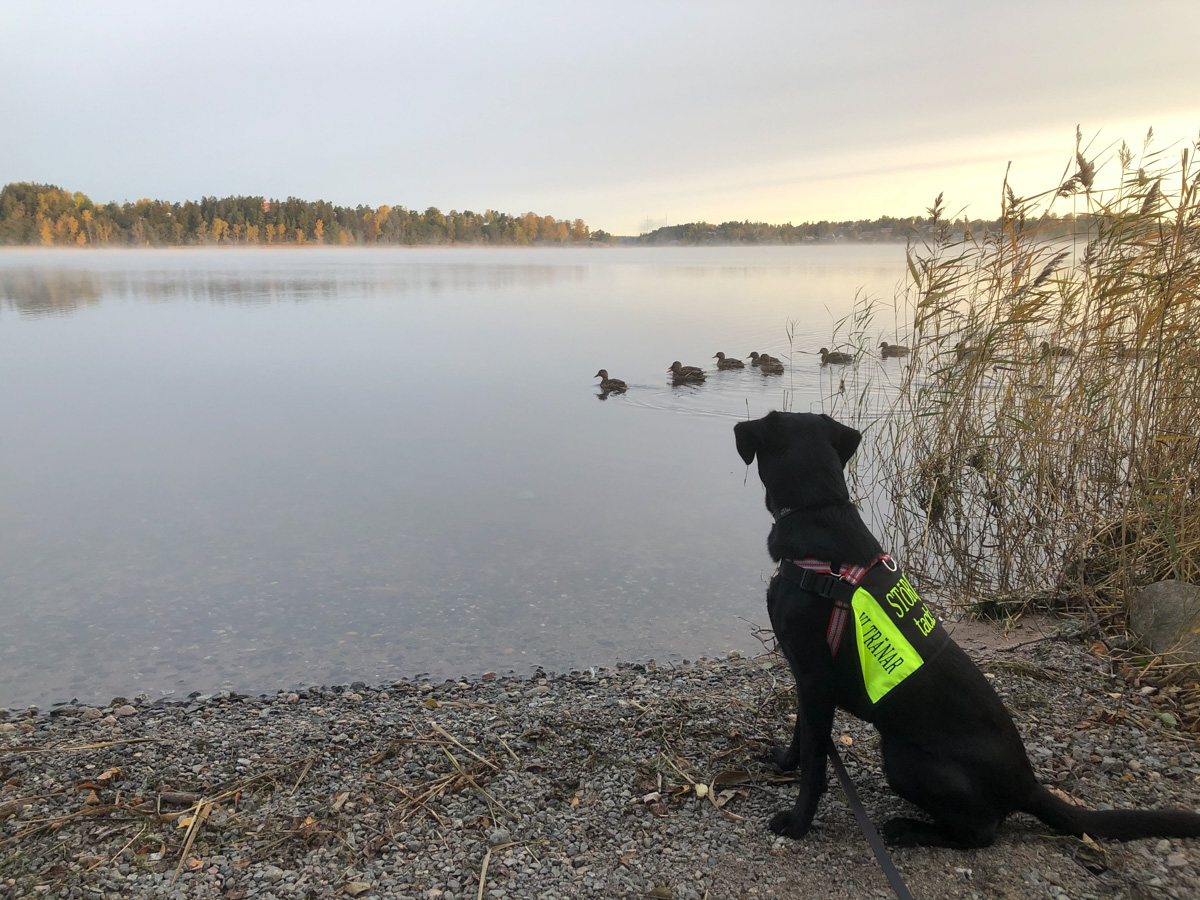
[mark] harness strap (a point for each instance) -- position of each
(833, 582)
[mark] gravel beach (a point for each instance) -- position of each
(638, 781)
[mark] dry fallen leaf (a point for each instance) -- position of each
(355, 888)
(727, 795)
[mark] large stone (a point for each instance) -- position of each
(1166, 618)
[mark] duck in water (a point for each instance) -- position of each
(1056, 352)
(892, 351)
(681, 374)
(610, 385)
(723, 363)
(836, 358)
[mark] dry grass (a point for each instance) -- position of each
(1041, 442)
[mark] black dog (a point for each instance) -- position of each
(860, 638)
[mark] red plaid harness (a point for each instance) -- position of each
(821, 578)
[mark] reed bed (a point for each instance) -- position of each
(1040, 443)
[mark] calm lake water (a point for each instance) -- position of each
(259, 469)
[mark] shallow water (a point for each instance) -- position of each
(256, 469)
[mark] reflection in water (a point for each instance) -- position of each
(355, 464)
(39, 290)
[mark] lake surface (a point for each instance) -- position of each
(259, 469)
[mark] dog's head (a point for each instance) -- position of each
(800, 457)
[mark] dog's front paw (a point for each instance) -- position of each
(782, 758)
(787, 824)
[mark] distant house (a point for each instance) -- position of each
(266, 206)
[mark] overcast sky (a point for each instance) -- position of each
(609, 111)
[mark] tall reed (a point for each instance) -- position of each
(1041, 441)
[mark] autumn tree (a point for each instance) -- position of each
(37, 213)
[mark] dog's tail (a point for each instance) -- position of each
(1120, 824)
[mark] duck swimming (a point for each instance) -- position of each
(1060, 352)
(837, 358)
(723, 363)
(758, 359)
(610, 385)
(963, 352)
(1124, 352)
(682, 374)
(769, 365)
(892, 351)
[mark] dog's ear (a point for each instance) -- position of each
(750, 437)
(845, 440)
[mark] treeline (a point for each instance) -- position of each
(47, 215)
(885, 228)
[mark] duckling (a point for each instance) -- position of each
(682, 374)
(1059, 352)
(892, 351)
(723, 363)
(837, 358)
(770, 365)
(610, 385)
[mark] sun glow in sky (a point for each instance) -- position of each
(619, 113)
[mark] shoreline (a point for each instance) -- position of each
(631, 781)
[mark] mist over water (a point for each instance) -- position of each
(257, 469)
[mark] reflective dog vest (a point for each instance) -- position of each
(894, 631)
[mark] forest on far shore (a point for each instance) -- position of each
(42, 214)
(46, 215)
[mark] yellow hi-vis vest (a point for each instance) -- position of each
(895, 632)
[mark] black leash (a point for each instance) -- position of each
(864, 822)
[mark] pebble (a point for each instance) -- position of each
(557, 770)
